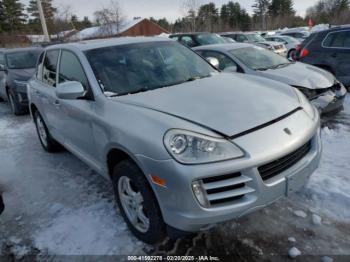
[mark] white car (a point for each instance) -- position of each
(290, 42)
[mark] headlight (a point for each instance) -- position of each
(193, 148)
(305, 104)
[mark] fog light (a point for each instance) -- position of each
(200, 193)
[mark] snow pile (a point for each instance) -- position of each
(329, 186)
(91, 230)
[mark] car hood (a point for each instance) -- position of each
(228, 104)
(21, 74)
(303, 75)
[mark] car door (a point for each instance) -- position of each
(337, 54)
(2, 76)
(75, 115)
(44, 92)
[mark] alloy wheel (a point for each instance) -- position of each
(132, 203)
(41, 130)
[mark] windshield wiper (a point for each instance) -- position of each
(143, 89)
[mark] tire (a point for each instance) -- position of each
(290, 54)
(46, 140)
(16, 108)
(127, 172)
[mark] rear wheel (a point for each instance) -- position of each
(16, 107)
(46, 140)
(292, 54)
(137, 203)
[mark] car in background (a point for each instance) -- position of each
(17, 66)
(319, 86)
(184, 146)
(329, 49)
(297, 34)
(257, 39)
(198, 39)
(291, 44)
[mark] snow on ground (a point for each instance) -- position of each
(56, 205)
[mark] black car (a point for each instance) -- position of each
(17, 66)
(199, 39)
(330, 50)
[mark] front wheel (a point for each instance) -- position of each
(46, 140)
(16, 108)
(137, 203)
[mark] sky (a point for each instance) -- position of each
(171, 9)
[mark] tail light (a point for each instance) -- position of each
(304, 53)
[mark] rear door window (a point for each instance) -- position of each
(50, 67)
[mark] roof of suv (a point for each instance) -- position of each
(16, 50)
(225, 47)
(243, 33)
(191, 33)
(101, 43)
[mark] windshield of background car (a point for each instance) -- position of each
(258, 58)
(134, 68)
(22, 60)
(290, 39)
(210, 39)
(255, 38)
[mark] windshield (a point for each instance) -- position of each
(22, 60)
(258, 58)
(210, 39)
(255, 38)
(133, 68)
(290, 39)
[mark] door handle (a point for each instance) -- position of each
(57, 103)
(334, 55)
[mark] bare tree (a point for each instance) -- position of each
(110, 18)
(189, 10)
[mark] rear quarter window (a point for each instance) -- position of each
(339, 39)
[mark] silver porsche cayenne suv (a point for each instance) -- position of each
(185, 146)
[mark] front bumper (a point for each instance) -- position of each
(330, 101)
(181, 209)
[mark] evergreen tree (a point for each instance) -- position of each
(49, 10)
(261, 8)
(34, 19)
(281, 8)
(12, 17)
(208, 16)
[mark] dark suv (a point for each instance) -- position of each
(330, 50)
(17, 66)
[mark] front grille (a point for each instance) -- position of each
(278, 166)
(226, 188)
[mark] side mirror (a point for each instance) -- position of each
(231, 69)
(213, 61)
(2, 68)
(70, 90)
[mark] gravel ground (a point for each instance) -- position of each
(56, 207)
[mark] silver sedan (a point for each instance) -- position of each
(318, 85)
(185, 147)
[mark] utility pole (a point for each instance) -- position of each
(43, 21)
